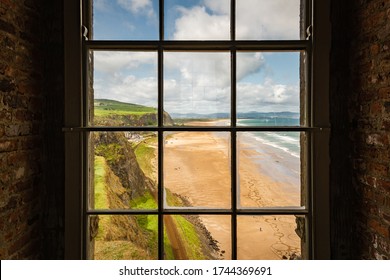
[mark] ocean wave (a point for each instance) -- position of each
(288, 144)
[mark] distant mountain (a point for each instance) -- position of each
(247, 115)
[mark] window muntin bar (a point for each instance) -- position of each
(275, 45)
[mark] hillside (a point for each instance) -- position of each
(126, 177)
(115, 113)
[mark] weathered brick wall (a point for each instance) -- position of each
(31, 140)
(21, 129)
(370, 118)
(360, 101)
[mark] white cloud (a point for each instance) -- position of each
(126, 76)
(218, 6)
(100, 5)
(265, 19)
(112, 62)
(200, 82)
(144, 7)
(267, 97)
(197, 82)
(197, 24)
(249, 63)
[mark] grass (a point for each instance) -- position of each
(146, 201)
(146, 155)
(101, 200)
(111, 152)
(190, 237)
(106, 107)
(173, 200)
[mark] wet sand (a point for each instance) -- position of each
(197, 166)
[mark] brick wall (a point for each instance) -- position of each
(31, 141)
(370, 119)
(21, 129)
(360, 98)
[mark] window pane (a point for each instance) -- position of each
(268, 19)
(269, 86)
(124, 88)
(125, 170)
(269, 169)
(197, 20)
(197, 86)
(192, 237)
(197, 169)
(125, 20)
(275, 237)
(123, 237)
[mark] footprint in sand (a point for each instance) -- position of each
(280, 248)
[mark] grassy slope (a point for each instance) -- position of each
(101, 200)
(106, 107)
(145, 153)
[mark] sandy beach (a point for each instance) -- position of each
(197, 166)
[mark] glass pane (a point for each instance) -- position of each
(269, 89)
(125, 170)
(125, 20)
(197, 87)
(269, 169)
(123, 237)
(124, 88)
(197, 20)
(197, 169)
(276, 237)
(268, 19)
(192, 237)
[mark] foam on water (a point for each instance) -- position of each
(288, 142)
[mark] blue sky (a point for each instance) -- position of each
(198, 82)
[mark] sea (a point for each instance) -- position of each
(287, 141)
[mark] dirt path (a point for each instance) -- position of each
(177, 243)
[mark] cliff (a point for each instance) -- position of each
(121, 159)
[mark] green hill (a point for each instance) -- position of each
(115, 113)
(106, 107)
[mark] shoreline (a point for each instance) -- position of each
(197, 166)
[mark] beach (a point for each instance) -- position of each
(197, 166)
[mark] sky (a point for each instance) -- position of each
(198, 82)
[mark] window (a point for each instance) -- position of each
(196, 130)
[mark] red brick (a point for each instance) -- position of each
(379, 169)
(8, 145)
(374, 49)
(378, 228)
(381, 140)
(376, 108)
(384, 184)
(20, 242)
